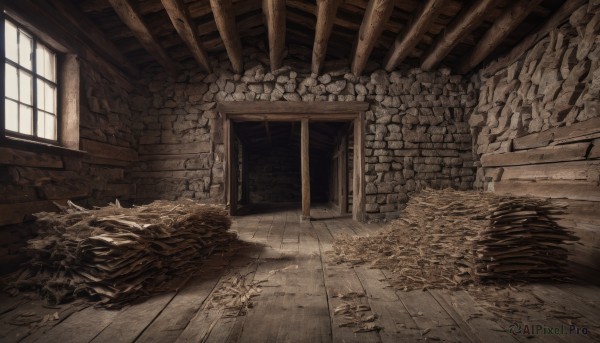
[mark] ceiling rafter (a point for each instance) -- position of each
(187, 30)
(326, 10)
(467, 20)
(412, 33)
(502, 27)
(133, 19)
(274, 11)
(376, 15)
(225, 20)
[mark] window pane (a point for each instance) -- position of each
(46, 62)
(10, 40)
(25, 120)
(50, 128)
(25, 50)
(11, 82)
(11, 115)
(41, 118)
(25, 87)
(50, 98)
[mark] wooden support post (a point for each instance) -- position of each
(227, 160)
(225, 20)
(343, 176)
(326, 10)
(376, 15)
(305, 157)
(358, 189)
(466, 21)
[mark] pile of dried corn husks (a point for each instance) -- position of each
(116, 254)
(449, 239)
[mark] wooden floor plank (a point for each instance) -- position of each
(473, 320)
(128, 325)
(77, 328)
(397, 323)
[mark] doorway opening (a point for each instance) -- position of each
(294, 156)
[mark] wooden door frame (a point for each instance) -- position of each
(351, 111)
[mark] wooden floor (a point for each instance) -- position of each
(301, 288)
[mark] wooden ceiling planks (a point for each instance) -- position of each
(412, 32)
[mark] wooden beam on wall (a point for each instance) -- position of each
(274, 11)
(376, 15)
(133, 19)
(467, 20)
(187, 30)
(502, 27)
(326, 10)
(560, 16)
(305, 169)
(290, 107)
(412, 33)
(225, 19)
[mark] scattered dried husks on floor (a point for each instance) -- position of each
(356, 315)
(450, 239)
(114, 254)
(235, 295)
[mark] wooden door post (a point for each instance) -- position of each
(304, 160)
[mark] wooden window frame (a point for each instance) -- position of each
(303, 112)
(67, 93)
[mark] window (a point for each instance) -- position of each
(30, 95)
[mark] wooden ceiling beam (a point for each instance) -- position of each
(560, 15)
(467, 20)
(376, 15)
(95, 37)
(326, 10)
(274, 11)
(413, 32)
(187, 30)
(133, 19)
(502, 27)
(225, 19)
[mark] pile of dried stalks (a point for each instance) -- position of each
(449, 239)
(116, 254)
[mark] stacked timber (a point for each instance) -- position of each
(451, 239)
(114, 254)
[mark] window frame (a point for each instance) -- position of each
(8, 134)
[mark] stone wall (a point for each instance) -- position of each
(537, 126)
(33, 178)
(416, 130)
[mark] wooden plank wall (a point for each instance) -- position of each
(561, 163)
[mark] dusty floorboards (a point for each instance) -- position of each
(303, 297)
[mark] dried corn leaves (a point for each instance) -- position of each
(116, 254)
(449, 239)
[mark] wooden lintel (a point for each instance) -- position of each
(305, 167)
(187, 30)
(467, 20)
(413, 32)
(502, 27)
(133, 19)
(274, 11)
(326, 10)
(560, 16)
(225, 20)
(261, 107)
(376, 15)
